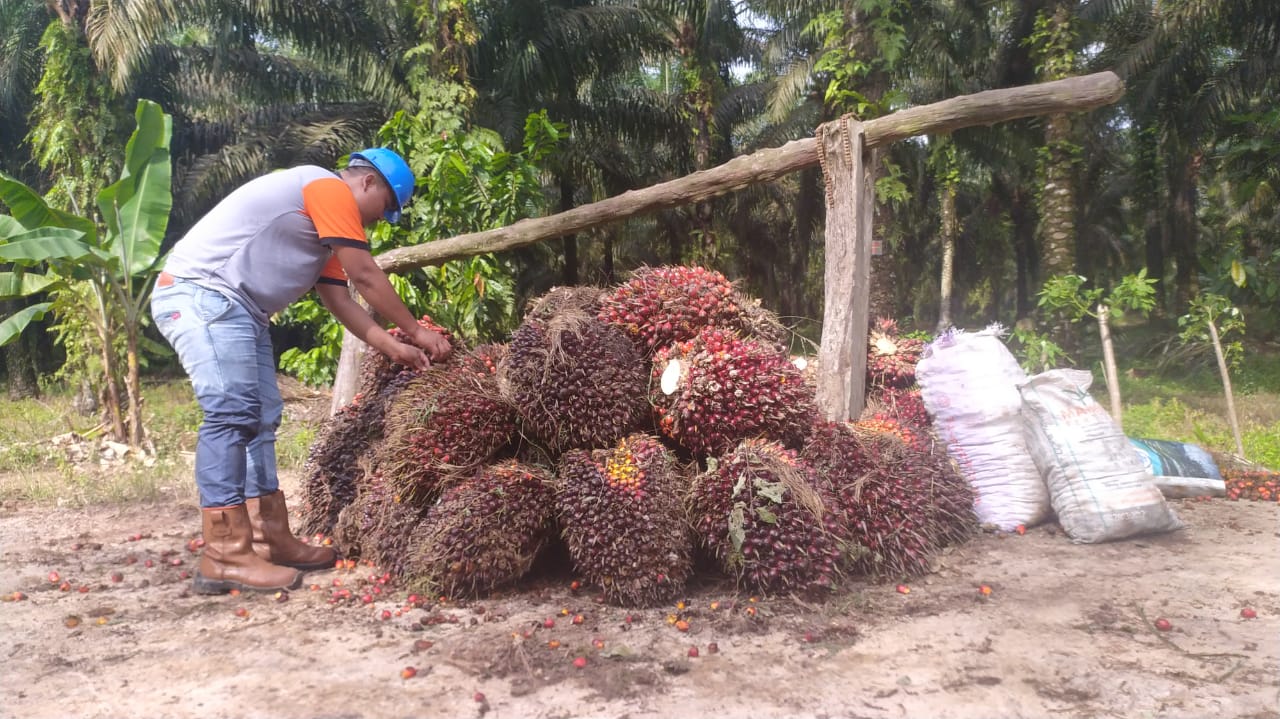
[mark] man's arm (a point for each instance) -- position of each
(372, 284)
(337, 299)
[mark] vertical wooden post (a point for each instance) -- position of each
(1109, 370)
(842, 359)
(347, 379)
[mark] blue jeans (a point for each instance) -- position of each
(228, 357)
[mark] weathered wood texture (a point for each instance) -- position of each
(842, 358)
(983, 108)
(346, 379)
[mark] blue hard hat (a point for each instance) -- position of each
(394, 170)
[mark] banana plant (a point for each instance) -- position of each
(51, 249)
(60, 250)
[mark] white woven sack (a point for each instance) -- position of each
(1097, 483)
(969, 382)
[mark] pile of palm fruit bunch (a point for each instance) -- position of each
(1252, 484)
(339, 457)
(643, 431)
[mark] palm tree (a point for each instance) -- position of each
(1201, 62)
(22, 23)
(823, 60)
(251, 85)
(254, 86)
(535, 55)
(1055, 42)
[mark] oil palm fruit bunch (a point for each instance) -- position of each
(445, 423)
(352, 436)
(332, 470)
(903, 405)
(658, 306)
(354, 528)
(575, 381)
(377, 526)
(761, 513)
(377, 369)
(717, 389)
(565, 300)
(891, 358)
(621, 516)
(896, 503)
(344, 447)
(484, 533)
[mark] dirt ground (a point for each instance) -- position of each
(1067, 631)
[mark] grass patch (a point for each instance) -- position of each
(293, 443)
(38, 468)
(77, 486)
(1171, 400)
(1174, 394)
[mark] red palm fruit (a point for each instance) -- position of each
(622, 520)
(715, 390)
(484, 533)
(761, 513)
(575, 381)
(658, 306)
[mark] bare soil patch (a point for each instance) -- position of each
(1067, 631)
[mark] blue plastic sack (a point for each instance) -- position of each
(1176, 459)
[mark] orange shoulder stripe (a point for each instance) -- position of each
(333, 273)
(332, 208)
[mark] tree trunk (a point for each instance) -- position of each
(608, 256)
(950, 227)
(704, 224)
(675, 239)
(1149, 192)
(111, 387)
(1022, 215)
(808, 213)
(20, 358)
(1226, 386)
(1184, 231)
(1154, 246)
(884, 271)
(842, 358)
(347, 378)
(1058, 201)
(133, 386)
(569, 276)
(1109, 370)
(884, 279)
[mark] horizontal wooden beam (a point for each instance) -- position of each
(984, 108)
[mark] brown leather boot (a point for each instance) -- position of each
(274, 542)
(229, 562)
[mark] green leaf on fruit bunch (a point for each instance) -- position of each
(737, 531)
(771, 491)
(766, 516)
(712, 465)
(738, 486)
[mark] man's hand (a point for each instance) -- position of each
(409, 356)
(355, 318)
(433, 343)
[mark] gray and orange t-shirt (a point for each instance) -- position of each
(272, 239)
